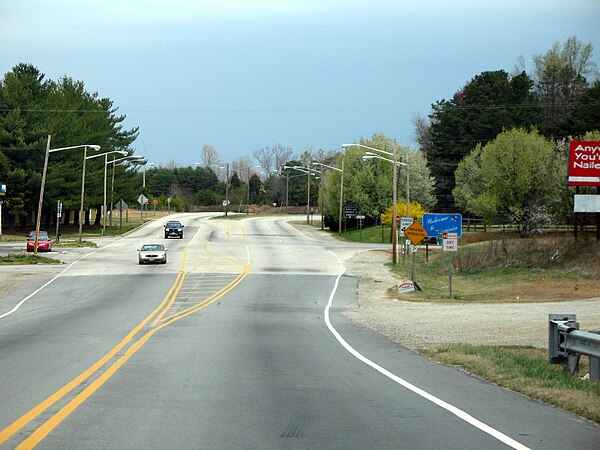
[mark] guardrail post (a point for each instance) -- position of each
(594, 364)
(555, 337)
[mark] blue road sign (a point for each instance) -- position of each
(438, 223)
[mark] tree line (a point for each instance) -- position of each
(496, 149)
(31, 109)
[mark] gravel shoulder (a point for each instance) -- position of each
(420, 325)
(13, 276)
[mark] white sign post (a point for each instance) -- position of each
(405, 222)
(449, 244)
(142, 200)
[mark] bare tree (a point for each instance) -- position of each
(243, 166)
(210, 157)
(325, 156)
(273, 158)
(422, 133)
(264, 156)
(307, 157)
(281, 155)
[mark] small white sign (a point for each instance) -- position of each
(450, 245)
(359, 217)
(586, 203)
(406, 286)
(405, 222)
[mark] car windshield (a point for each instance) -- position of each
(173, 224)
(42, 236)
(152, 247)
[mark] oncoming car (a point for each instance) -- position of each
(152, 253)
(44, 242)
(173, 228)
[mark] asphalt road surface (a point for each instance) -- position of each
(237, 342)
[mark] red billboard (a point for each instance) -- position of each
(584, 163)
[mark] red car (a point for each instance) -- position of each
(44, 242)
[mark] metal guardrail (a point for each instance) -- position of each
(566, 344)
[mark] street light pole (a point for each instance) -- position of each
(85, 158)
(41, 201)
(227, 190)
(407, 185)
(106, 162)
(48, 151)
(341, 200)
(341, 191)
(395, 162)
(248, 192)
(104, 204)
(82, 194)
(308, 197)
(394, 209)
(307, 171)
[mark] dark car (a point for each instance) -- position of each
(44, 242)
(173, 228)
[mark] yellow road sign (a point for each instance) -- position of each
(416, 233)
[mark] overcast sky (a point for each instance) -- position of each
(242, 75)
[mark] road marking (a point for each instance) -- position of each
(427, 396)
(40, 408)
(18, 305)
(41, 432)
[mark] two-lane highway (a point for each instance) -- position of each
(237, 343)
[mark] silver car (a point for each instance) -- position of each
(152, 253)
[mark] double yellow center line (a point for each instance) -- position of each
(158, 319)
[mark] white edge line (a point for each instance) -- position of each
(18, 305)
(448, 407)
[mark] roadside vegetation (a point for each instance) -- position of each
(505, 269)
(23, 258)
(526, 370)
(497, 266)
(501, 267)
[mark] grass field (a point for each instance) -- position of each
(497, 267)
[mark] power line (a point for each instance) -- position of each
(303, 110)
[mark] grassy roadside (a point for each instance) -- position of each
(498, 267)
(525, 370)
(500, 270)
(21, 258)
(70, 233)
